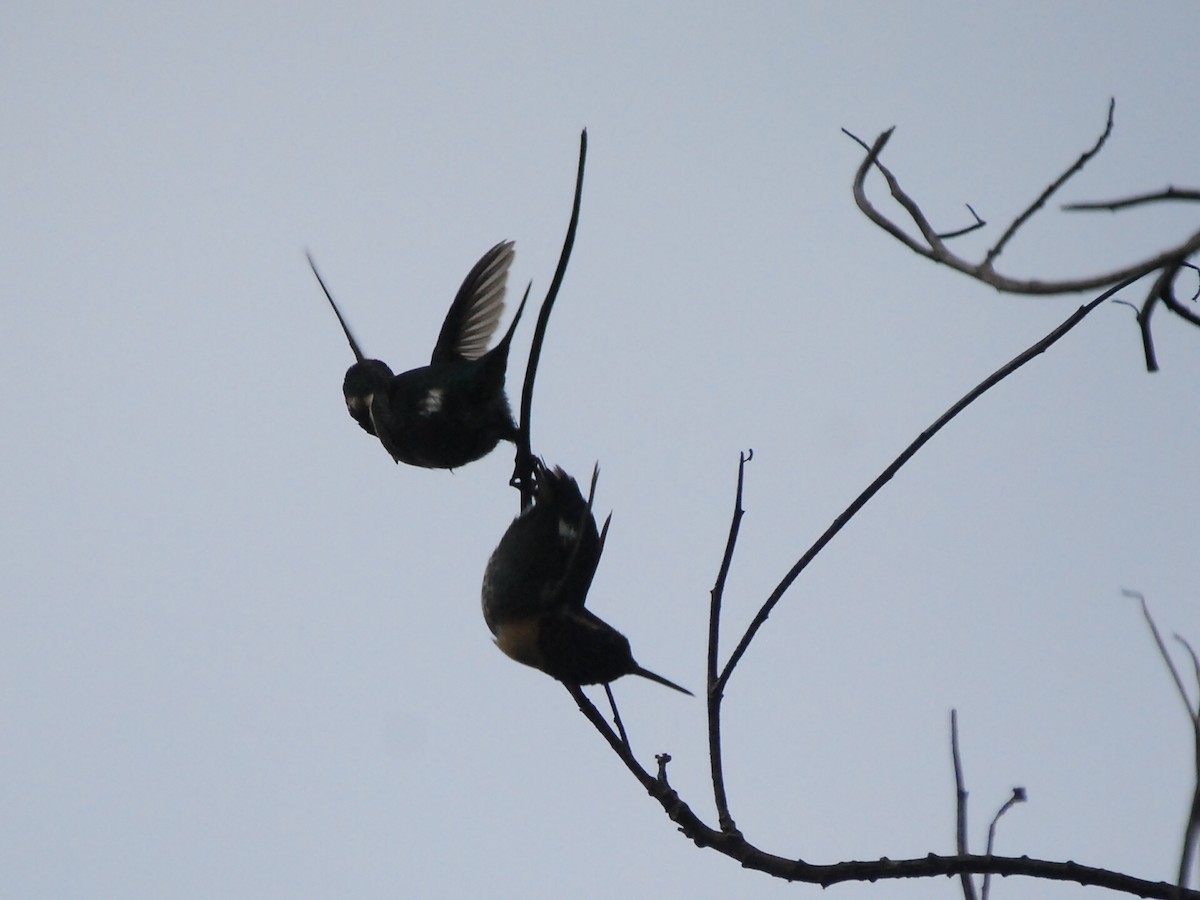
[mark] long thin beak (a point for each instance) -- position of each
(337, 312)
(646, 673)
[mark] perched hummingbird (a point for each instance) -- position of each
(454, 410)
(536, 583)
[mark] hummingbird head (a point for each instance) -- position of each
(362, 380)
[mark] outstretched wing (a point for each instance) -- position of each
(476, 310)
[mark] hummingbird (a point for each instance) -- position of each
(536, 583)
(454, 410)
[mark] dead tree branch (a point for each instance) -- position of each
(1192, 831)
(728, 840)
(735, 846)
(960, 806)
(872, 489)
(713, 689)
(1169, 193)
(933, 245)
(1018, 796)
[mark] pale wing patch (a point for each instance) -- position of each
(568, 532)
(487, 304)
(431, 403)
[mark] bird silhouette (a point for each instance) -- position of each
(454, 410)
(536, 584)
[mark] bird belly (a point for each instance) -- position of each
(440, 419)
(518, 639)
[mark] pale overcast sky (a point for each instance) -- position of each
(241, 652)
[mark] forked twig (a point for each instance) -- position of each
(861, 500)
(1191, 835)
(1018, 796)
(932, 244)
(735, 846)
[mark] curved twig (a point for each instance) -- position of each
(932, 246)
(523, 465)
(1018, 796)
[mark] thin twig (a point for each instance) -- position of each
(1192, 831)
(1171, 193)
(932, 246)
(1062, 179)
(523, 465)
(1162, 291)
(975, 226)
(1196, 293)
(991, 381)
(1195, 668)
(1169, 299)
(1018, 796)
(724, 819)
(1162, 649)
(612, 702)
(1153, 296)
(735, 846)
(960, 805)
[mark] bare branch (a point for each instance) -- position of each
(975, 226)
(523, 466)
(960, 804)
(1162, 291)
(726, 838)
(724, 819)
(932, 246)
(991, 381)
(735, 846)
(1170, 193)
(1162, 649)
(1192, 830)
(1196, 293)
(612, 702)
(1168, 295)
(1191, 833)
(1018, 796)
(1195, 669)
(620, 747)
(1062, 179)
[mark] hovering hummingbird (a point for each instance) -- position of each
(536, 583)
(454, 410)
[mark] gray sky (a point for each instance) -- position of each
(241, 652)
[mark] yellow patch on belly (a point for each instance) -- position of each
(519, 640)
